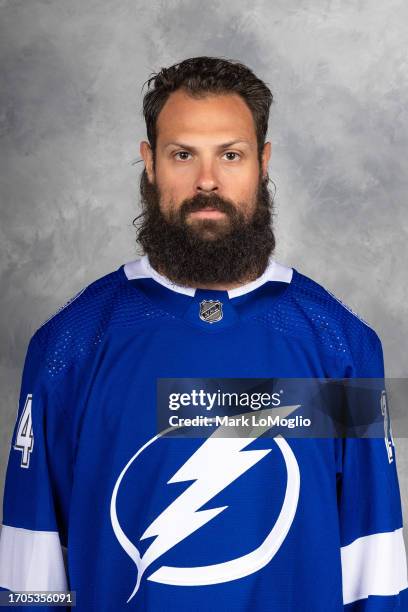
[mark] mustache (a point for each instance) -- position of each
(201, 201)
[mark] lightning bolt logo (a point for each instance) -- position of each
(215, 464)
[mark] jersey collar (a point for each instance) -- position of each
(141, 268)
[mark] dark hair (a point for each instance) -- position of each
(202, 75)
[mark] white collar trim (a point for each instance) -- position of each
(141, 268)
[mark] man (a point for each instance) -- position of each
(98, 500)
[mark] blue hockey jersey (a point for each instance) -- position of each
(98, 502)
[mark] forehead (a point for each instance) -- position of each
(213, 117)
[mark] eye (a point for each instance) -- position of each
(234, 153)
(182, 153)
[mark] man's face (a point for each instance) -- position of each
(205, 191)
(204, 147)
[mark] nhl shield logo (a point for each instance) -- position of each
(211, 311)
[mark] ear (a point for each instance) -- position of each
(147, 154)
(266, 154)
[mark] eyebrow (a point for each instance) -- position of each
(221, 146)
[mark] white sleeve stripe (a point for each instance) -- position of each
(374, 565)
(31, 560)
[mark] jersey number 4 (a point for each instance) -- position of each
(24, 441)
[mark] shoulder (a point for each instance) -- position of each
(336, 325)
(78, 326)
(98, 293)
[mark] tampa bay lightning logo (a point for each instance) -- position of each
(213, 466)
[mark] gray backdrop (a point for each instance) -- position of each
(70, 125)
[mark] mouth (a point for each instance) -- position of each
(208, 213)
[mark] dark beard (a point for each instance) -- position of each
(234, 249)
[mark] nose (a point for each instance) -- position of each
(206, 180)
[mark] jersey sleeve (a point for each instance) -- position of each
(373, 556)
(33, 538)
